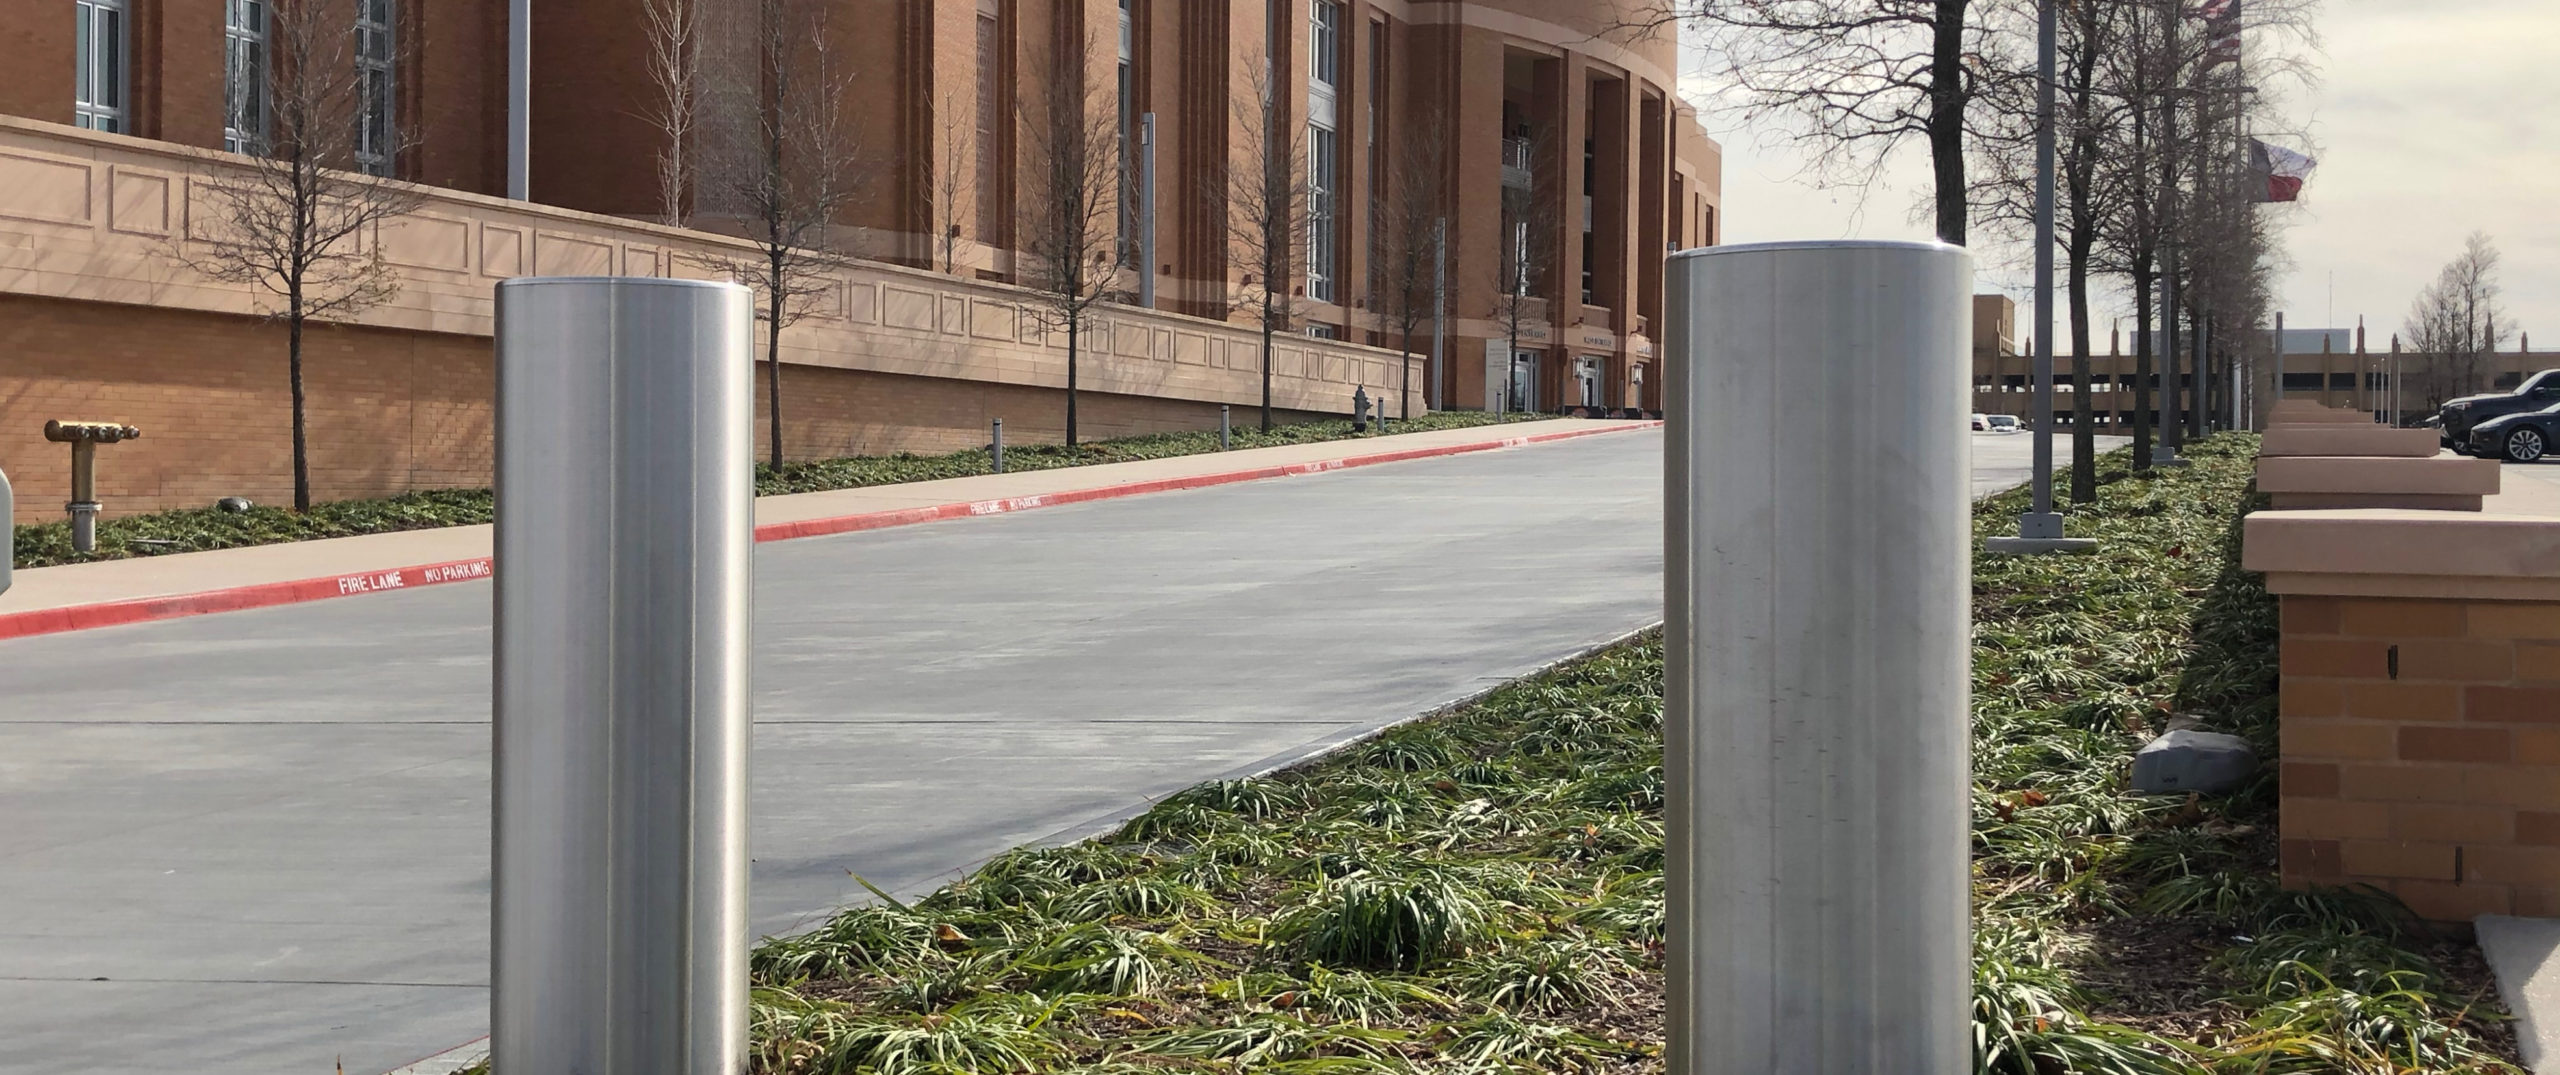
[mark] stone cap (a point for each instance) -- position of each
(2393, 552)
(2338, 438)
(2433, 475)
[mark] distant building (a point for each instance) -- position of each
(1565, 137)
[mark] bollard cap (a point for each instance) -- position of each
(62, 431)
(1817, 244)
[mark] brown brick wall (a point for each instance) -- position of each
(393, 411)
(2421, 744)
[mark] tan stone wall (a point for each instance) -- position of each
(2421, 751)
(391, 411)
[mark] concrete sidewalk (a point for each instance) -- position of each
(70, 597)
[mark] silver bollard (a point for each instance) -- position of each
(624, 523)
(1816, 587)
(8, 530)
(995, 447)
(1222, 427)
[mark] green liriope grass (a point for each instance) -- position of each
(1482, 892)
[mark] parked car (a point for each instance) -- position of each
(2524, 437)
(2004, 423)
(2455, 419)
(1982, 423)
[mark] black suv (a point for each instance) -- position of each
(2456, 419)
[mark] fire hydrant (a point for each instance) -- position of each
(1360, 409)
(84, 439)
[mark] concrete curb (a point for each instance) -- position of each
(267, 594)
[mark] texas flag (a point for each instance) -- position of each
(2279, 172)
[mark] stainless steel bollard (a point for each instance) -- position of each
(8, 530)
(995, 447)
(1223, 427)
(624, 524)
(1816, 587)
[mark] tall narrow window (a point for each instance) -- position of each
(244, 75)
(1324, 154)
(1375, 95)
(377, 128)
(98, 71)
(990, 179)
(1128, 138)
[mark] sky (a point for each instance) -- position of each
(2430, 119)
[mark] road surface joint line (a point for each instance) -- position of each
(297, 591)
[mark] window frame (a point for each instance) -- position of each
(377, 56)
(245, 25)
(102, 100)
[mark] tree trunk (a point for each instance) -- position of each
(2142, 312)
(1404, 393)
(1266, 371)
(773, 383)
(1075, 324)
(293, 372)
(1946, 118)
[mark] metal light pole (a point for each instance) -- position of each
(1816, 596)
(2041, 523)
(1147, 210)
(520, 100)
(625, 516)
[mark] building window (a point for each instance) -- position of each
(1324, 151)
(244, 75)
(1324, 332)
(1322, 158)
(377, 130)
(1374, 95)
(1324, 44)
(1128, 138)
(98, 71)
(990, 181)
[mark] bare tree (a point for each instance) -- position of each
(1409, 221)
(1069, 228)
(1528, 254)
(2457, 322)
(1857, 77)
(784, 161)
(296, 220)
(675, 31)
(955, 161)
(1270, 220)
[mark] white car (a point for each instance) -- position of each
(2003, 423)
(1982, 423)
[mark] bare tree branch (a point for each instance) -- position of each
(296, 220)
(1069, 232)
(1270, 217)
(782, 156)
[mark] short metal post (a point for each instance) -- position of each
(1223, 427)
(8, 530)
(995, 447)
(1816, 596)
(624, 482)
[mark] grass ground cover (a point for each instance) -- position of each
(1481, 891)
(195, 530)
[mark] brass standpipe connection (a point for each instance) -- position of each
(84, 439)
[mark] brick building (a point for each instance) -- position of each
(1561, 141)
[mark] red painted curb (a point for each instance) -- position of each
(266, 594)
